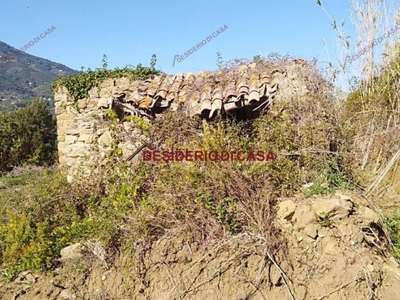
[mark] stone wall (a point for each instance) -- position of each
(82, 127)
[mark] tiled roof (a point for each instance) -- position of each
(206, 94)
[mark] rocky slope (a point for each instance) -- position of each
(335, 248)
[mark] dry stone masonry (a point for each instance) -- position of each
(248, 89)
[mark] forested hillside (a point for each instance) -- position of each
(24, 77)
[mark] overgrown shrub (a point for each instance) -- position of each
(44, 216)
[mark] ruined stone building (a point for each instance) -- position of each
(242, 93)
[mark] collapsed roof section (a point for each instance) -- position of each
(207, 94)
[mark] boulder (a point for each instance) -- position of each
(335, 208)
(72, 252)
(286, 210)
(303, 216)
(311, 231)
(103, 103)
(67, 294)
(369, 216)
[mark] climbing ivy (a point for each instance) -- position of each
(79, 85)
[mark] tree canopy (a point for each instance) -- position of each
(28, 136)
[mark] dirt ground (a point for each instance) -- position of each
(335, 247)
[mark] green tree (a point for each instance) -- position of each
(27, 136)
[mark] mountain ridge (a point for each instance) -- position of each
(24, 77)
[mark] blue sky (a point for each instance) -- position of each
(129, 32)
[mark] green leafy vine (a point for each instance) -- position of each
(79, 85)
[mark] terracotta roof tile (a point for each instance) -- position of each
(208, 93)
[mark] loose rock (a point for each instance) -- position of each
(72, 252)
(334, 208)
(286, 210)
